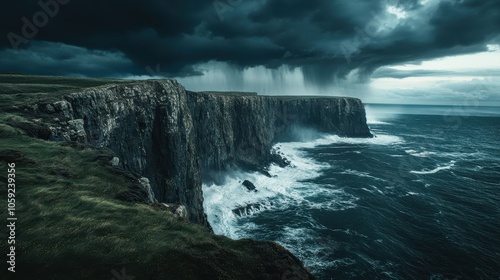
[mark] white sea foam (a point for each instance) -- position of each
(420, 154)
(456, 155)
(360, 174)
(411, 194)
(380, 139)
(450, 165)
(376, 140)
(290, 188)
(461, 155)
(374, 116)
(374, 121)
(317, 253)
(286, 188)
(373, 190)
(478, 168)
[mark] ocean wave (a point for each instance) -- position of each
(436, 170)
(373, 190)
(327, 139)
(333, 202)
(420, 154)
(360, 174)
(379, 139)
(316, 252)
(285, 188)
(461, 155)
(230, 207)
(226, 204)
(456, 155)
(410, 194)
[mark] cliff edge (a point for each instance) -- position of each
(173, 137)
(122, 171)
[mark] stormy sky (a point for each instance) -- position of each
(394, 51)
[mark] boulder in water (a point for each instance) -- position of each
(249, 185)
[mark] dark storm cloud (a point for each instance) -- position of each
(58, 59)
(327, 39)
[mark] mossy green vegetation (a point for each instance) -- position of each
(71, 225)
(17, 89)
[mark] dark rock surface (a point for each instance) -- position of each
(249, 185)
(168, 135)
(279, 159)
(149, 128)
(239, 130)
(250, 209)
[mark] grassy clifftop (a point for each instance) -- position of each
(71, 225)
(16, 89)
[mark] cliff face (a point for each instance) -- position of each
(239, 130)
(149, 128)
(168, 135)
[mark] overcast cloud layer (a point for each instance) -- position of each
(327, 40)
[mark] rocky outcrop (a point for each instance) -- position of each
(249, 185)
(168, 135)
(251, 208)
(149, 128)
(180, 211)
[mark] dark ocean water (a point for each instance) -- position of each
(421, 200)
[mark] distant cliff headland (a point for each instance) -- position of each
(158, 142)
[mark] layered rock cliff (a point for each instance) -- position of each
(169, 135)
(240, 129)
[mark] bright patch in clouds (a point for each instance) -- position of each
(400, 13)
(441, 81)
(493, 48)
(484, 60)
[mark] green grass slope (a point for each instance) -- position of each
(16, 89)
(71, 226)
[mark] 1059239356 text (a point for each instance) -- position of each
(11, 217)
